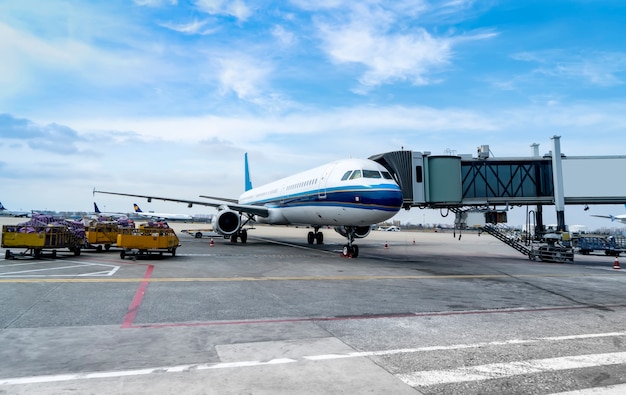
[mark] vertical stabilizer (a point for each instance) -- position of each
(95, 208)
(248, 185)
(2, 208)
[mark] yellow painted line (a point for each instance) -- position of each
(298, 278)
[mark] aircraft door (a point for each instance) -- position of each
(323, 182)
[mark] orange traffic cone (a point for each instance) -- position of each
(616, 264)
(211, 243)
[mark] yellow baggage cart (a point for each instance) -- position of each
(36, 239)
(99, 234)
(147, 240)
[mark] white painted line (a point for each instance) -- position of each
(464, 374)
(503, 370)
(619, 389)
(51, 269)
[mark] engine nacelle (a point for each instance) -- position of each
(226, 222)
(359, 231)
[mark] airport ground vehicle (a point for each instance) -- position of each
(611, 245)
(150, 238)
(200, 233)
(99, 234)
(38, 238)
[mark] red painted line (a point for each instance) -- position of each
(129, 318)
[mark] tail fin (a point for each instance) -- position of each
(248, 185)
(137, 209)
(2, 207)
(96, 209)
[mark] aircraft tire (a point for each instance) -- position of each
(244, 236)
(319, 237)
(310, 237)
(355, 251)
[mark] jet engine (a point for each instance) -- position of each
(226, 222)
(359, 231)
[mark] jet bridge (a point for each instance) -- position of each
(458, 182)
(463, 183)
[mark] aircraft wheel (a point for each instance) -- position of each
(310, 237)
(346, 250)
(355, 251)
(233, 238)
(244, 236)
(319, 237)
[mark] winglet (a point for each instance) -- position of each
(137, 209)
(248, 185)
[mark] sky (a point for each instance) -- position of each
(163, 97)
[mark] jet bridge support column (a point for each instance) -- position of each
(557, 174)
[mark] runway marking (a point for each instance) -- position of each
(504, 370)
(129, 318)
(415, 379)
(45, 271)
(298, 278)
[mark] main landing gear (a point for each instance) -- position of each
(316, 236)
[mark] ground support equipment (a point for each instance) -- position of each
(147, 240)
(37, 239)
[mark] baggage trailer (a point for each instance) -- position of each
(35, 239)
(611, 245)
(99, 234)
(146, 240)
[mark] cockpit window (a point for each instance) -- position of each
(346, 176)
(371, 174)
(386, 175)
(356, 174)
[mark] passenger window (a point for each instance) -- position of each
(371, 174)
(387, 176)
(346, 176)
(355, 175)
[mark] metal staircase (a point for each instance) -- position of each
(506, 239)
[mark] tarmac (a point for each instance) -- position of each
(415, 313)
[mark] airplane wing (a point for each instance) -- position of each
(230, 203)
(604, 216)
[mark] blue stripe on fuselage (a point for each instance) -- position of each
(384, 197)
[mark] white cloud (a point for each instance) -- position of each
(193, 27)
(375, 38)
(596, 68)
(236, 8)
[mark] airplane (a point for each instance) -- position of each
(619, 218)
(8, 213)
(99, 213)
(162, 216)
(348, 194)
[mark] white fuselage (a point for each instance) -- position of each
(351, 192)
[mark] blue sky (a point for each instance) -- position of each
(165, 96)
